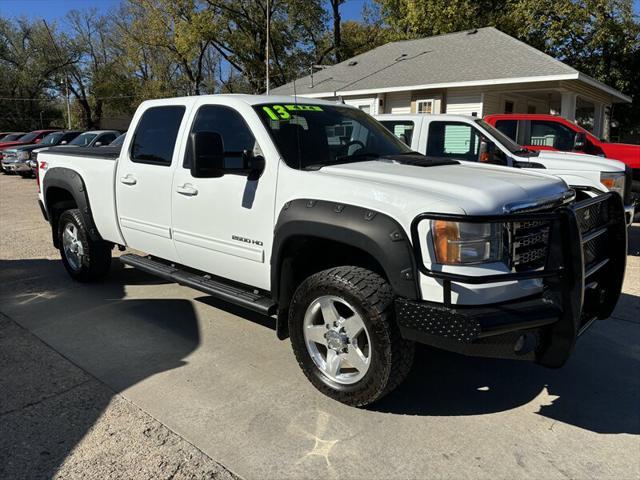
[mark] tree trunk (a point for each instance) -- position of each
(337, 37)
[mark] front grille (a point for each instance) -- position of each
(592, 217)
(529, 244)
(591, 222)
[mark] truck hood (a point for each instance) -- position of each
(469, 187)
(577, 162)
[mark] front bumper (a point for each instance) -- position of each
(582, 280)
(16, 166)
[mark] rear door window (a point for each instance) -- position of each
(155, 136)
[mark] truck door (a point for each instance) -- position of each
(224, 225)
(143, 181)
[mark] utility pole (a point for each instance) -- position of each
(66, 75)
(267, 52)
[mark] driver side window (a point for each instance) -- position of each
(235, 133)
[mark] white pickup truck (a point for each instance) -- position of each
(472, 139)
(314, 213)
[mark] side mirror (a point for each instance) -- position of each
(97, 144)
(487, 151)
(209, 158)
(207, 152)
(579, 141)
(63, 142)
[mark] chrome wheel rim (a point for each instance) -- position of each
(72, 246)
(337, 339)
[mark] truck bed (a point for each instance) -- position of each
(95, 166)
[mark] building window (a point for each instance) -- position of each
(424, 106)
(508, 106)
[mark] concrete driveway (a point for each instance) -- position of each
(217, 376)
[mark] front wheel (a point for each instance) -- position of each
(344, 336)
(84, 259)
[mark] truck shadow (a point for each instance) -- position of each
(47, 406)
(634, 240)
(598, 389)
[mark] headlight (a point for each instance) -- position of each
(458, 243)
(614, 181)
(24, 155)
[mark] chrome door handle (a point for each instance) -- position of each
(187, 189)
(128, 180)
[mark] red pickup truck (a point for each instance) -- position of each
(550, 132)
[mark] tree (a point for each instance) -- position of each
(176, 32)
(296, 27)
(26, 72)
(598, 37)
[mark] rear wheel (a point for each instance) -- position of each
(84, 259)
(344, 336)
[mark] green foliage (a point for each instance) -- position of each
(26, 76)
(598, 37)
(159, 48)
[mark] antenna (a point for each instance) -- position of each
(295, 93)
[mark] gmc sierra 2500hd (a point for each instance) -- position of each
(314, 213)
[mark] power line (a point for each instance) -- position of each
(24, 99)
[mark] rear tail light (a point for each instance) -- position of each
(41, 166)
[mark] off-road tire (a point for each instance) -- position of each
(97, 258)
(372, 296)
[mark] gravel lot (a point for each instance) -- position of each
(138, 378)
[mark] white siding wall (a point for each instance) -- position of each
(491, 103)
(398, 102)
(463, 103)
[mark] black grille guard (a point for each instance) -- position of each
(583, 292)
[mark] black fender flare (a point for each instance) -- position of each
(373, 232)
(72, 182)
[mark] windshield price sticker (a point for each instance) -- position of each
(281, 112)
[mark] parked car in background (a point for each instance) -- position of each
(18, 159)
(94, 138)
(550, 132)
(118, 141)
(10, 136)
(26, 139)
(469, 138)
(32, 137)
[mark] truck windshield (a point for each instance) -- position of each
(504, 140)
(310, 137)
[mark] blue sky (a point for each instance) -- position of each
(56, 9)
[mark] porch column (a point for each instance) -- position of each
(598, 119)
(568, 105)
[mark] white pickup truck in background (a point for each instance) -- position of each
(314, 213)
(472, 139)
